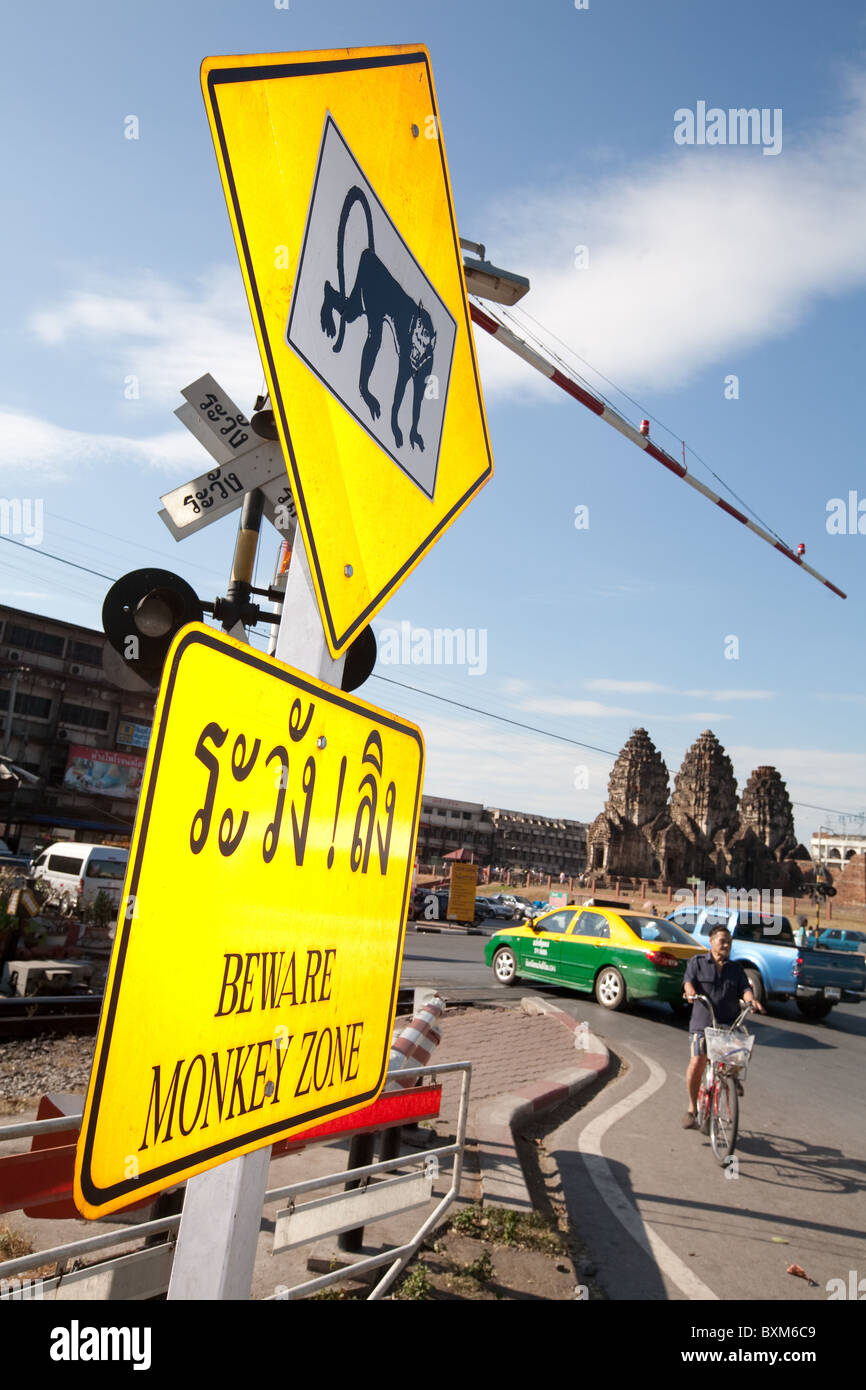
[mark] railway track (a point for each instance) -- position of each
(32, 1015)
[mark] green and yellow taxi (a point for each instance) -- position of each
(616, 954)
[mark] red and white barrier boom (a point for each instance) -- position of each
(611, 417)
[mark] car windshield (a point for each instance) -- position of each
(658, 929)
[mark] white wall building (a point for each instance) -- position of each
(829, 847)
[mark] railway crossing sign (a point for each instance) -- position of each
(257, 956)
(243, 461)
(334, 172)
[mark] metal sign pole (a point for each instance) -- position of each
(222, 1211)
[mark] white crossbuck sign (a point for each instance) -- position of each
(243, 461)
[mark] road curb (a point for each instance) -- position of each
(446, 931)
(497, 1120)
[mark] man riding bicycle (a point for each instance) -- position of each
(724, 982)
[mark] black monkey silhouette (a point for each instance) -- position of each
(378, 295)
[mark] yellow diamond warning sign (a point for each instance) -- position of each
(334, 172)
(257, 956)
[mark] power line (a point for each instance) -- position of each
(644, 409)
(444, 699)
(852, 815)
(99, 531)
(563, 738)
(59, 558)
(567, 381)
(473, 709)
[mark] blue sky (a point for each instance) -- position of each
(704, 262)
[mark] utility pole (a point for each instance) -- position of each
(218, 1236)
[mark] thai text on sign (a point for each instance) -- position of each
(258, 951)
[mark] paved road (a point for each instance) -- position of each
(660, 1217)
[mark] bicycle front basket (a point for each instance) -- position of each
(733, 1046)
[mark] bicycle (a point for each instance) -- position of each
(728, 1051)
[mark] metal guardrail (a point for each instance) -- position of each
(30, 1127)
(398, 1257)
(60, 1254)
(332, 1214)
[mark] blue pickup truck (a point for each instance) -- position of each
(777, 968)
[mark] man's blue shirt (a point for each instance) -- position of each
(723, 986)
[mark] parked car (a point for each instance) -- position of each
(617, 955)
(842, 939)
(81, 871)
(776, 967)
(489, 908)
(517, 907)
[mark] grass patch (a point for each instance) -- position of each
(503, 1226)
(13, 1246)
(481, 1269)
(416, 1285)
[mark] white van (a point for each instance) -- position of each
(82, 871)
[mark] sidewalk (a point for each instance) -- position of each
(527, 1057)
(525, 1060)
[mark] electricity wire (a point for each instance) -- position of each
(444, 699)
(544, 347)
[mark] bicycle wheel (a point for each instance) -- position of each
(705, 1101)
(724, 1117)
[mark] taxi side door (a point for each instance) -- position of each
(583, 951)
(542, 950)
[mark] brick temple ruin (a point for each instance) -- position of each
(701, 830)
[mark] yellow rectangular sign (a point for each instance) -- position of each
(461, 893)
(334, 172)
(256, 962)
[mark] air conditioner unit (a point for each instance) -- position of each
(62, 735)
(14, 656)
(75, 670)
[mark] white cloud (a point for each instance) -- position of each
(836, 780)
(843, 698)
(653, 688)
(694, 717)
(31, 445)
(705, 253)
(729, 695)
(562, 707)
(626, 687)
(522, 771)
(512, 685)
(165, 333)
(513, 769)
